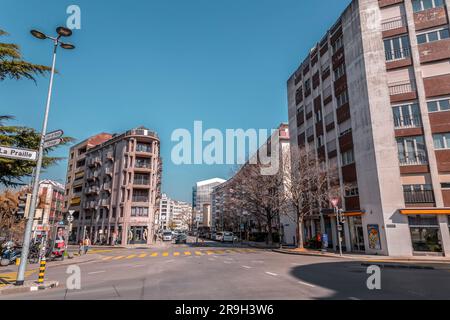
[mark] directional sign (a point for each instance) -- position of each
(52, 143)
(18, 153)
(53, 135)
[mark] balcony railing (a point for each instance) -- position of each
(141, 182)
(413, 158)
(140, 199)
(412, 121)
(398, 54)
(393, 23)
(401, 88)
(424, 196)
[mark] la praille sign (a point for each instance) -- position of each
(18, 153)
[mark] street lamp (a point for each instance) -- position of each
(62, 32)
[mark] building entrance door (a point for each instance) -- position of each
(356, 234)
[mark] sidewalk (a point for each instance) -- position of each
(363, 257)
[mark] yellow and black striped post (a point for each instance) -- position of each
(42, 271)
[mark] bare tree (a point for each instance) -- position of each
(309, 186)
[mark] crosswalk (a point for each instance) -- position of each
(187, 253)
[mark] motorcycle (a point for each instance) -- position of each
(9, 254)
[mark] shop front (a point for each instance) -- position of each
(356, 231)
(138, 235)
(425, 229)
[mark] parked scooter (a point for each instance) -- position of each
(10, 253)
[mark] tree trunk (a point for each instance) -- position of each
(269, 232)
(300, 244)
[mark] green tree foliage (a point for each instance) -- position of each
(14, 172)
(13, 67)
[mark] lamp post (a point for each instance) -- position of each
(62, 32)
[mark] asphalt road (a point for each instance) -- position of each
(178, 272)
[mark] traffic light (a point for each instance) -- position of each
(22, 206)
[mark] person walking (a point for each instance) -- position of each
(86, 244)
(80, 247)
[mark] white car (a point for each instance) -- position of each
(228, 237)
(167, 236)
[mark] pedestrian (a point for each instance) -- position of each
(80, 247)
(87, 243)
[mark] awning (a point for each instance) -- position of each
(425, 211)
(349, 214)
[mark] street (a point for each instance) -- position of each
(223, 272)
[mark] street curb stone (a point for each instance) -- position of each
(29, 286)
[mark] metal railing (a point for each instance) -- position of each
(393, 23)
(412, 121)
(413, 158)
(424, 196)
(401, 87)
(141, 182)
(398, 54)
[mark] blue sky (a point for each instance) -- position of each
(164, 64)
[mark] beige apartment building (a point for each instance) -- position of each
(373, 98)
(115, 188)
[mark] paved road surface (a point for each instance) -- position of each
(178, 272)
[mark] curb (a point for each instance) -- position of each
(31, 288)
(309, 254)
(397, 266)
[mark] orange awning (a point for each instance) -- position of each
(425, 211)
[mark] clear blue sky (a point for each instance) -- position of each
(164, 64)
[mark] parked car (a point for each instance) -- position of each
(227, 237)
(167, 236)
(181, 238)
(219, 236)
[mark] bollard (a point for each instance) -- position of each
(17, 261)
(42, 271)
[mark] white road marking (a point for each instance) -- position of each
(353, 298)
(96, 272)
(170, 261)
(307, 284)
(271, 274)
(138, 265)
(246, 267)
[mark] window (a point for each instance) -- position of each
(418, 193)
(140, 195)
(445, 185)
(139, 211)
(337, 45)
(331, 146)
(329, 118)
(319, 141)
(396, 48)
(441, 141)
(142, 163)
(425, 233)
(352, 191)
(433, 36)
(348, 157)
(412, 150)
(143, 147)
(339, 72)
(342, 99)
(318, 116)
(308, 85)
(420, 5)
(439, 105)
(407, 115)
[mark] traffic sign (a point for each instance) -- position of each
(52, 143)
(53, 135)
(18, 153)
(71, 212)
(335, 202)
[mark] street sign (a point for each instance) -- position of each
(52, 143)
(53, 135)
(18, 153)
(335, 202)
(71, 212)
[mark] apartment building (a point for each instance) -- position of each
(228, 215)
(119, 190)
(202, 202)
(373, 98)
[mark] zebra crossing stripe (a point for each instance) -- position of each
(176, 254)
(143, 255)
(187, 253)
(131, 256)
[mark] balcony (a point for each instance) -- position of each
(140, 199)
(93, 190)
(412, 121)
(394, 26)
(141, 182)
(402, 91)
(413, 159)
(419, 197)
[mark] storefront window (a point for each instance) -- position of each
(356, 234)
(425, 233)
